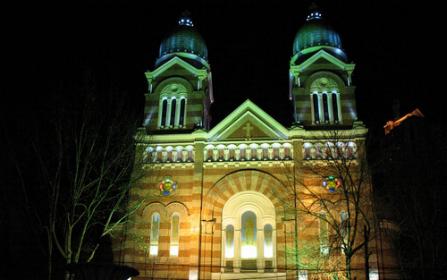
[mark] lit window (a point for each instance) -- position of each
(302, 275)
(175, 226)
(155, 234)
(229, 241)
(268, 241)
(324, 235)
(248, 236)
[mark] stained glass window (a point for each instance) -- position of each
(167, 186)
(331, 183)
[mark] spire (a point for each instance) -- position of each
(185, 19)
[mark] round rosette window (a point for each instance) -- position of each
(167, 186)
(331, 183)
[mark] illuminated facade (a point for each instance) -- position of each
(223, 202)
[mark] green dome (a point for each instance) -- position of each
(184, 39)
(316, 35)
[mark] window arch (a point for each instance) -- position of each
(175, 233)
(325, 99)
(155, 234)
(172, 108)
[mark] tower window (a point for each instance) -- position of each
(335, 107)
(164, 109)
(172, 110)
(325, 108)
(316, 108)
(182, 112)
(173, 107)
(325, 95)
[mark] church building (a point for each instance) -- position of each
(251, 198)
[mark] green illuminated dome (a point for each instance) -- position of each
(184, 41)
(316, 35)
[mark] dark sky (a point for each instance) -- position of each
(249, 44)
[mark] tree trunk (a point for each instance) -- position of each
(348, 268)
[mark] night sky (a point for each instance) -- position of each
(49, 50)
(250, 44)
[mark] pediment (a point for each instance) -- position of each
(178, 65)
(248, 122)
(323, 57)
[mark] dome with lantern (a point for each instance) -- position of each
(184, 41)
(316, 35)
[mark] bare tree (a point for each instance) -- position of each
(332, 186)
(87, 187)
(83, 159)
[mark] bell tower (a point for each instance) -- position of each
(320, 85)
(180, 87)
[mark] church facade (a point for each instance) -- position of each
(250, 198)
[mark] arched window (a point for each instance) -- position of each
(335, 107)
(268, 241)
(324, 235)
(344, 224)
(248, 235)
(229, 241)
(316, 108)
(328, 89)
(164, 109)
(175, 228)
(325, 108)
(155, 234)
(173, 107)
(182, 112)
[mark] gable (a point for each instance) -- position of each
(178, 66)
(248, 122)
(323, 57)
